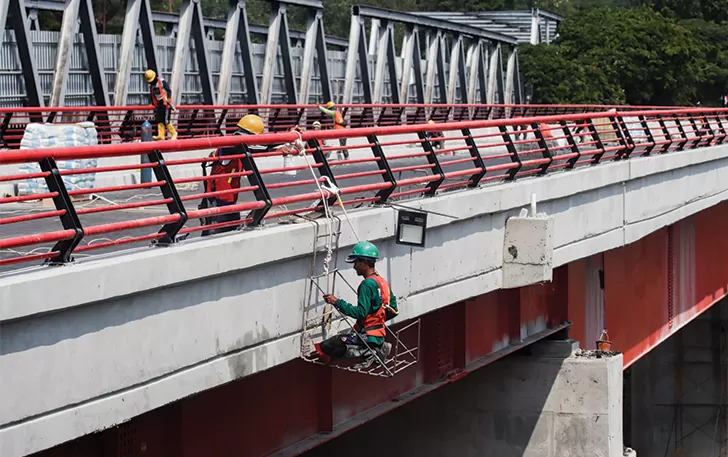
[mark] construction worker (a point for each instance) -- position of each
(317, 127)
(375, 305)
(339, 123)
(248, 125)
(163, 106)
(437, 139)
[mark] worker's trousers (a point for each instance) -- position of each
(349, 345)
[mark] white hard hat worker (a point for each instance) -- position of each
(316, 125)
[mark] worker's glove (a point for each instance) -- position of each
(299, 146)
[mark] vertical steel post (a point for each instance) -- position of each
(29, 68)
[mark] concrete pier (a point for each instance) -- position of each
(551, 401)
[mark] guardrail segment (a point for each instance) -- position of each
(116, 124)
(370, 165)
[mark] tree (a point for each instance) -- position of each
(650, 57)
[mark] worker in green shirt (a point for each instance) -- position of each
(375, 305)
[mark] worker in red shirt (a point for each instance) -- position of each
(224, 168)
(159, 90)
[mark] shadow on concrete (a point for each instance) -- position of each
(495, 411)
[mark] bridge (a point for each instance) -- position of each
(559, 269)
(200, 344)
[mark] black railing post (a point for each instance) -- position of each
(546, 152)
(383, 165)
(261, 193)
(325, 169)
(478, 159)
(722, 129)
(668, 135)
(595, 136)
(571, 163)
(511, 148)
(648, 132)
(683, 134)
(221, 122)
(69, 219)
(625, 138)
(432, 160)
(169, 191)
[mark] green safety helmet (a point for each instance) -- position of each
(363, 250)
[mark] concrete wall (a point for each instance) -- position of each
(540, 405)
(93, 344)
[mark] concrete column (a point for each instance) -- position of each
(552, 403)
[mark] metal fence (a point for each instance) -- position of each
(79, 87)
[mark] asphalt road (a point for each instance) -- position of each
(272, 180)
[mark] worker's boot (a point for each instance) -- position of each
(172, 131)
(161, 133)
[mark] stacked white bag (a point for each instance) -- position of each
(62, 135)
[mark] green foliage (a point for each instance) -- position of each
(554, 76)
(643, 54)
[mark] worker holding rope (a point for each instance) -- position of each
(248, 125)
(159, 90)
(376, 304)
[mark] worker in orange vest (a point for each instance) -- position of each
(339, 123)
(159, 90)
(375, 305)
(224, 168)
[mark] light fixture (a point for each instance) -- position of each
(411, 228)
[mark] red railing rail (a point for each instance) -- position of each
(376, 165)
(117, 124)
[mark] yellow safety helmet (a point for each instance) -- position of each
(330, 105)
(252, 124)
(149, 75)
(430, 121)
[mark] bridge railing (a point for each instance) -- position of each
(370, 165)
(123, 123)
